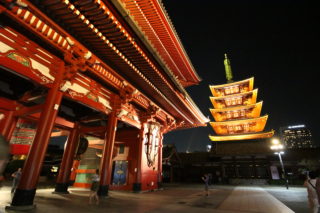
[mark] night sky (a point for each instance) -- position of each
(277, 42)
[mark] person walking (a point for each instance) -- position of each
(16, 179)
(310, 183)
(95, 179)
(4, 153)
(205, 179)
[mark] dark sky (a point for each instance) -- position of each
(277, 42)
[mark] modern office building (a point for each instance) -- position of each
(296, 137)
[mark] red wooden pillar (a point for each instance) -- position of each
(67, 161)
(12, 128)
(138, 170)
(73, 174)
(24, 195)
(160, 161)
(106, 160)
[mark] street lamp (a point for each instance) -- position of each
(278, 147)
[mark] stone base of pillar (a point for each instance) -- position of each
(103, 190)
(20, 208)
(136, 187)
(61, 188)
(23, 198)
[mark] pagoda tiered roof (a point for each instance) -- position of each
(238, 99)
(247, 111)
(236, 111)
(248, 136)
(252, 125)
(244, 86)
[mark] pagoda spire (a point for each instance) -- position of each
(227, 67)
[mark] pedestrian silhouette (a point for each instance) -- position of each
(205, 179)
(95, 179)
(16, 179)
(4, 152)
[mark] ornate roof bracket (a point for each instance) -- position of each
(78, 59)
(150, 114)
(128, 93)
(170, 124)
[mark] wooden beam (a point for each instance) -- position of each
(84, 129)
(60, 133)
(25, 111)
(7, 104)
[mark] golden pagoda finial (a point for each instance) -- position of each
(227, 67)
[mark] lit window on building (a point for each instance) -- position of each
(235, 114)
(232, 90)
(239, 100)
(238, 128)
(227, 91)
(235, 89)
(233, 101)
(230, 129)
(246, 127)
(228, 102)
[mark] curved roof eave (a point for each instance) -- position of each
(242, 136)
(169, 66)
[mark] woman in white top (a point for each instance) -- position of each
(310, 183)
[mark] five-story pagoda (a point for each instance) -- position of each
(236, 111)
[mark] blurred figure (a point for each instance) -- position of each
(4, 153)
(318, 187)
(205, 179)
(310, 183)
(210, 178)
(95, 179)
(16, 179)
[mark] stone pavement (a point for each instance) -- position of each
(297, 199)
(174, 198)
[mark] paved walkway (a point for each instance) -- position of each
(179, 198)
(253, 199)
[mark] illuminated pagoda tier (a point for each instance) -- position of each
(236, 111)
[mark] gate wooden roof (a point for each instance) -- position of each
(158, 66)
(155, 24)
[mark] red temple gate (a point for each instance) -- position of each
(88, 69)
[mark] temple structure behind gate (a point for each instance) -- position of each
(109, 75)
